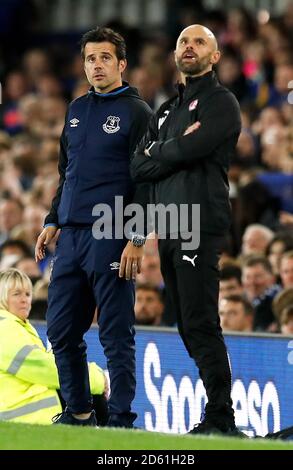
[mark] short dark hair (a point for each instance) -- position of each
(238, 299)
(254, 260)
(285, 238)
(11, 243)
(151, 288)
(105, 35)
(230, 271)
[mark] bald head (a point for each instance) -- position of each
(201, 31)
(196, 51)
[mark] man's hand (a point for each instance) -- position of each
(130, 263)
(192, 128)
(43, 240)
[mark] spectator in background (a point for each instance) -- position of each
(256, 239)
(149, 305)
(150, 270)
(286, 269)
(29, 230)
(276, 151)
(15, 87)
(24, 163)
(30, 115)
(53, 110)
(246, 149)
(268, 117)
(281, 243)
(29, 385)
(28, 266)
(260, 289)
(286, 321)
(5, 146)
(151, 274)
(236, 314)
(11, 251)
(149, 84)
(282, 301)
(230, 281)
(36, 63)
(231, 75)
(49, 86)
(282, 76)
(11, 215)
(242, 28)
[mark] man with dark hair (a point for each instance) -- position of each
(104, 35)
(101, 132)
(186, 154)
(260, 289)
(230, 281)
(13, 250)
(236, 313)
(149, 305)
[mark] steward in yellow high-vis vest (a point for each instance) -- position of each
(28, 374)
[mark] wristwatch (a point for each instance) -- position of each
(138, 240)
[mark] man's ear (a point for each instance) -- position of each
(122, 65)
(215, 57)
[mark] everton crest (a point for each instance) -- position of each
(111, 125)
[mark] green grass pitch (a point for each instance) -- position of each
(23, 436)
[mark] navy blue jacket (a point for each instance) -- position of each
(100, 135)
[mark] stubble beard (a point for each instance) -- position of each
(195, 68)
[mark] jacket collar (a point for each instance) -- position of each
(5, 314)
(114, 92)
(196, 84)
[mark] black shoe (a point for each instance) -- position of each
(113, 424)
(67, 418)
(207, 428)
(122, 420)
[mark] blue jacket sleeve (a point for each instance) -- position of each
(52, 217)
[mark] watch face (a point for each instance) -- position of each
(138, 241)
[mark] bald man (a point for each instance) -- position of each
(185, 155)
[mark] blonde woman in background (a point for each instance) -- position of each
(29, 386)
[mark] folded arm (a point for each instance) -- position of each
(144, 169)
(219, 120)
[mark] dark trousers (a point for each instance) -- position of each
(83, 277)
(193, 290)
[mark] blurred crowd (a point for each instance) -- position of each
(256, 275)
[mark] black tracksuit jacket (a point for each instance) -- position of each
(192, 169)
